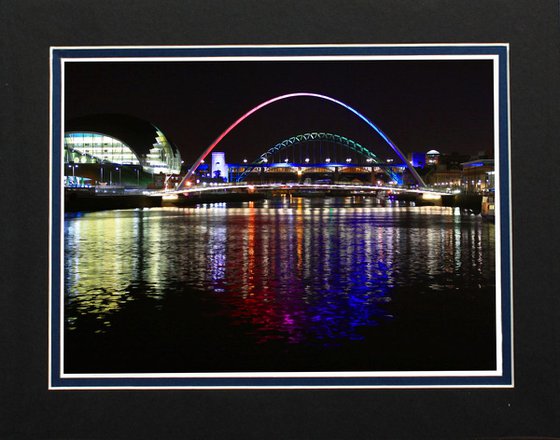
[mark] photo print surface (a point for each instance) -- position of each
(280, 217)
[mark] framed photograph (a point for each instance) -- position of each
(256, 217)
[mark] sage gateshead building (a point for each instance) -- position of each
(114, 149)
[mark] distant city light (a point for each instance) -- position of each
(244, 160)
(328, 160)
(286, 160)
(306, 160)
(348, 160)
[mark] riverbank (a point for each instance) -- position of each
(87, 199)
(90, 199)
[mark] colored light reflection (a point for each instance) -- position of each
(317, 286)
(301, 271)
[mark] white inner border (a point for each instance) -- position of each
(335, 374)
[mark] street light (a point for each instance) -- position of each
(72, 166)
(306, 160)
(328, 160)
(348, 160)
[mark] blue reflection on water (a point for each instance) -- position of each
(300, 272)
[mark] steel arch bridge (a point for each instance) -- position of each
(317, 137)
(192, 169)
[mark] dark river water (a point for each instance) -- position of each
(285, 285)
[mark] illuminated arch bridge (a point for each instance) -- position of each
(319, 150)
(399, 153)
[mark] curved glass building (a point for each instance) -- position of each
(122, 140)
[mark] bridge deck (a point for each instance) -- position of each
(300, 186)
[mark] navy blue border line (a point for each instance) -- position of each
(234, 51)
(505, 205)
(506, 379)
(246, 382)
(56, 220)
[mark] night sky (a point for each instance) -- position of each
(420, 105)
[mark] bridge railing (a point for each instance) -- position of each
(216, 186)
